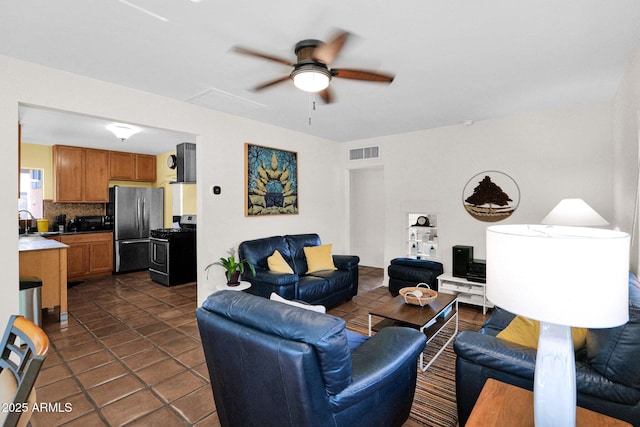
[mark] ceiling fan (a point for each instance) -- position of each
(311, 72)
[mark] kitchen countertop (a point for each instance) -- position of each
(65, 233)
(34, 242)
(39, 241)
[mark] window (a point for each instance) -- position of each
(31, 193)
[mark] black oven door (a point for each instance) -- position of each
(159, 257)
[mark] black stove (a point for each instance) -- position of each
(167, 233)
(187, 224)
(173, 253)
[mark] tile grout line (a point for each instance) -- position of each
(146, 386)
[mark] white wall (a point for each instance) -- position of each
(551, 155)
(366, 238)
(221, 139)
(626, 111)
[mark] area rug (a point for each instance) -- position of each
(434, 403)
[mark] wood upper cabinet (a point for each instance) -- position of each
(80, 174)
(132, 166)
(122, 165)
(96, 175)
(145, 167)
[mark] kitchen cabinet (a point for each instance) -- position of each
(145, 167)
(132, 166)
(48, 261)
(89, 255)
(80, 174)
(122, 166)
(96, 175)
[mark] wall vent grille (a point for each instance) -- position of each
(364, 153)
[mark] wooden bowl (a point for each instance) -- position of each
(418, 295)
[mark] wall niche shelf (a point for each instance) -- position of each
(421, 239)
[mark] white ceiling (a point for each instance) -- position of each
(49, 127)
(454, 60)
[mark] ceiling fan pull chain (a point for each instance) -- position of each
(311, 102)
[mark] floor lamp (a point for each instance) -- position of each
(574, 212)
(563, 277)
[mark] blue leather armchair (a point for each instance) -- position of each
(272, 364)
(328, 288)
(607, 368)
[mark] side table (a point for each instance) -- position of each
(241, 287)
(501, 404)
(468, 292)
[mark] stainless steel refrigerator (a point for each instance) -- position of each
(135, 212)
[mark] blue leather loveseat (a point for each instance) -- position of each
(327, 287)
(607, 368)
(273, 364)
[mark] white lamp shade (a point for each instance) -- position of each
(570, 276)
(311, 81)
(574, 212)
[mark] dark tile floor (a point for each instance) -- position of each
(130, 353)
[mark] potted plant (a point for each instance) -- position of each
(234, 268)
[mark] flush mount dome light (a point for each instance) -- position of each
(122, 131)
(312, 77)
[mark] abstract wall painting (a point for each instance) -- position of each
(272, 181)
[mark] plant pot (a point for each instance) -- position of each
(234, 280)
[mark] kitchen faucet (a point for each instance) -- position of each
(33, 218)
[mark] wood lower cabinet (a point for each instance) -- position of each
(50, 265)
(89, 255)
(80, 174)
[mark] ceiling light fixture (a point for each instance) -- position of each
(122, 131)
(311, 77)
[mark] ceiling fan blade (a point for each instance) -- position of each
(327, 52)
(362, 75)
(251, 52)
(326, 95)
(271, 83)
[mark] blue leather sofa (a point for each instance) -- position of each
(328, 288)
(607, 369)
(273, 364)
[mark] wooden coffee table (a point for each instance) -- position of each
(501, 404)
(430, 319)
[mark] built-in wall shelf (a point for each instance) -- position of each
(421, 239)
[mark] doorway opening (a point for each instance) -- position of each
(367, 215)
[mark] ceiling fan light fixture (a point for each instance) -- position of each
(122, 131)
(311, 78)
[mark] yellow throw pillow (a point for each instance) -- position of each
(319, 258)
(277, 263)
(525, 331)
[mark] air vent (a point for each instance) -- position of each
(364, 153)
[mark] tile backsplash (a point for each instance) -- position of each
(51, 209)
